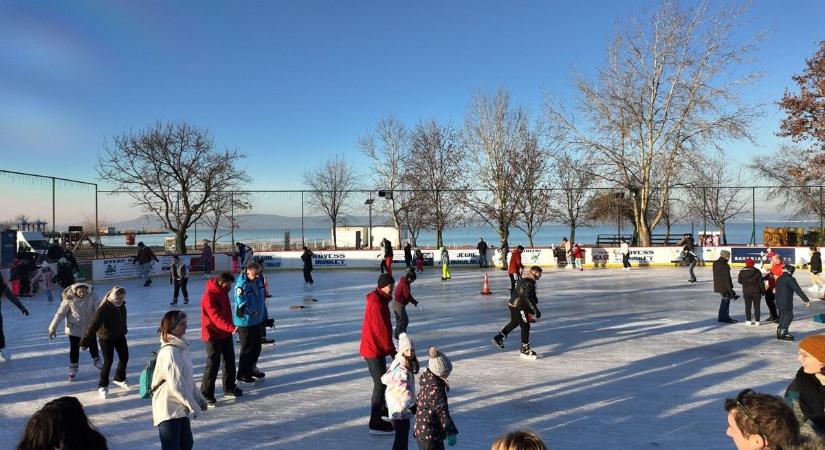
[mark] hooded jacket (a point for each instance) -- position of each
(216, 312)
(178, 396)
(722, 282)
(432, 417)
(76, 311)
(376, 330)
(249, 297)
(786, 286)
(400, 393)
(751, 280)
(515, 262)
(109, 322)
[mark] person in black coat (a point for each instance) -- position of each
(408, 255)
(722, 284)
(482, 253)
(65, 274)
(109, 326)
(689, 248)
(306, 258)
(786, 286)
(523, 304)
(816, 269)
(752, 289)
(4, 290)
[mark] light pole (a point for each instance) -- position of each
(369, 203)
(619, 196)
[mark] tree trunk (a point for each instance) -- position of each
(214, 237)
(438, 241)
(723, 237)
(572, 233)
(180, 241)
(335, 235)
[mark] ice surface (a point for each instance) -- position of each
(627, 360)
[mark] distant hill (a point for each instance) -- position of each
(258, 222)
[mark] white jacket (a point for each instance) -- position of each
(400, 392)
(77, 312)
(178, 396)
(624, 249)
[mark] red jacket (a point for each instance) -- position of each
(216, 314)
(376, 332)
(515, 262)
(402, 292)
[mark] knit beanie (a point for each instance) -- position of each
(815, 345)
(748, 262)
(405, 343)
(725, 254)
(439, 364)
(385, 280)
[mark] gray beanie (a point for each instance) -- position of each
(439, 364)
(725, 254)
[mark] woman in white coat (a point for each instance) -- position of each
(77, 308)
(175, 396)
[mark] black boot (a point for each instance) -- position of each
(498, 340)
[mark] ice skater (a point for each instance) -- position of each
(5, 355)
(515, 267)
(445, 264)
(65, 273)
(624, 249)
(786, 286)
(45, 277)
(433, 423)
(816, 269)
(306, 259)
(144, 258)
(376, 345)
(482, 253)
(249, 304)
(408, 255)
(578, 256)
(402, 297)
(388, 256)
(400, 392)
(206, 258)
(216, 333)
(523, 304)
(722, 284)
(689, 258)
(179, 277)
(78, 306)
(109, 323)
(752, 289)
(419, 260)
(770, 296)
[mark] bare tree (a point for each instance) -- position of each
(534, 202)
(332, 184)
(388, 150)
(223, 208)
(669, 89)
(413, 214)
(496, 135)
(708, 197)
(575, 180)
(170, 170)
(438, 162)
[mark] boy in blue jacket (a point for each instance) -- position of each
(249, 303)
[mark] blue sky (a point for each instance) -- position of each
(290, 83)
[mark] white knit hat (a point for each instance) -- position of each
(439, 364)
(404, 343)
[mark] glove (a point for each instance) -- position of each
(452, 439)
(270, 323)
(414, 302)
(24, 311)
(413, 409)
(52, 335)
(538, 314)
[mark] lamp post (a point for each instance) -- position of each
(619, 196)
(369, 203)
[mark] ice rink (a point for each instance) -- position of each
(627, 360)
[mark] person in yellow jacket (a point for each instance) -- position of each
(445, 264)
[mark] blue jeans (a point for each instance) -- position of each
(145, 270)
(724, 309)
(176, 434)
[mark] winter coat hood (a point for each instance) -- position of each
(76, 311)
(178, 395)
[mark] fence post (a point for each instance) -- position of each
(753, 213)
(303, 239)
(704, 215)
(820, 237)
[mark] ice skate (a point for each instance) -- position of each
(5, 355)
(783, 335)
(72, 371)
(748, 323)
(756, 324)
(97, 362)
(103, 392)
(498, 340)
(527, 353)
(123, 384)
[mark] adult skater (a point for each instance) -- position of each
(388, 256)
(515, 267)
(624, 249)
(144, 258)
(249, 304)
(179, 277)
(522, 303)
(568, 248)
(55, 252)
(482, 253)
(402, 297)
(786, 286)
(25, 266)
(689, 250)
(216, 333)
(383, 265)
(806, 393)
(752, 289)
(175, 394)
(376, 345)
(770, 296)
(65, 275)
(408, 255)
(206, 258)
(816, 269)
(110, 325)
(445, 264)
(505, 249)
(5, 355)
(722, 284)
(77, 309)
(306, 259)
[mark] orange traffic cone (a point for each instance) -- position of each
(486, 288)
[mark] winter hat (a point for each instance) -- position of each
(44, 265)
(815, 345)
(725, 254)
(385, 280)
(789, 268)
(404, 343)
(748, 262)
(62, 260)
(141, 244)
(439, 364)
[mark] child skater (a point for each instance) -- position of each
(400, 394)
(109, 323)
(419, 260)
(77, 309)
(433, 423)
(45, 277)
(179, 276)
(445, 264)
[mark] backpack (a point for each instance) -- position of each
(145, 386)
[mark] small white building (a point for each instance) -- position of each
(349, 236)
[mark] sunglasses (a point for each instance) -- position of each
(737, 403)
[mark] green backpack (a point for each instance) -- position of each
(146, 389)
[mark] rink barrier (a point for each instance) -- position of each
(609, 257)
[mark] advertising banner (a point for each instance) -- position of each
(738, 255)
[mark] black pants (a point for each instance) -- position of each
(402, 434)
(408, 262)
(2, 335)
(250, 349)
(626, 260)
(752, 301)
(308, 276)
(430, 445)
(25, 281)
(513, 278)
(518, 318)
(217, 350)
(785, 319)
(108, 348)
(180, 285)
(402, 320)
(378, 407)
(770, 300)
(74, 349)
(383, 265)
(691, 265)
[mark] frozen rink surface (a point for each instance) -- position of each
(627, 360)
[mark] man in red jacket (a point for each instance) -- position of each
(515, 267)
(376, 345)
(216, 333)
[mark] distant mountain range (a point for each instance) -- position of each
(259, 222)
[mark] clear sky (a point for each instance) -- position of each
(290, 83)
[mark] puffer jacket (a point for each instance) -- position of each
(178, 396)
(45, 277)
(806, 396)
(524, 297)
(77, 312)
(108, 322)
(751, 280)
(400, 393)
(432, 416)
(249, 297)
